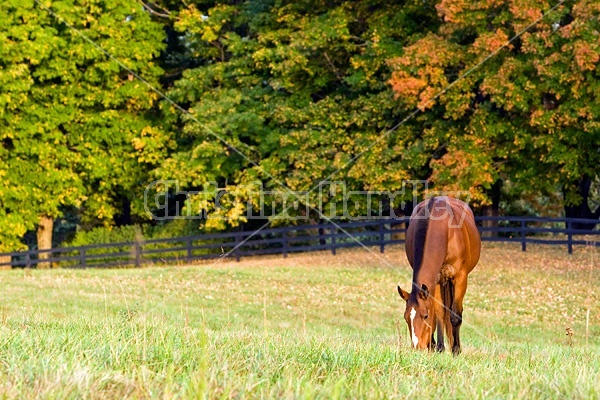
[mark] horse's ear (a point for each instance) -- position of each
(424, 292)
(403, 293)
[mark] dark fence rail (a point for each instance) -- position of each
(285, 240)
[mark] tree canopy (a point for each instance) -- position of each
(72, 122)
(528, 114)
(286, 94)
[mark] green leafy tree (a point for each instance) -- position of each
(299, 88)
(75, 127)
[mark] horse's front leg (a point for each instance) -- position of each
(439, 319)
(432, 326)
(440, 337)
(432, 342)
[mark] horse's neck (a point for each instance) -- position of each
(434, 253)
(427, 275)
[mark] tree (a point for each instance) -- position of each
(72, 121)
(298, 88)
(528, 115)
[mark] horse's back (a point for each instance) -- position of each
(464, 241)
(445, 220)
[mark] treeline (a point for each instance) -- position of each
(286, 94)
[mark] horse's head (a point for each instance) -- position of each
(419, 316)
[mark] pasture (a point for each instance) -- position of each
(309, 326)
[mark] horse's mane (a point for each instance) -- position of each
(420, 235)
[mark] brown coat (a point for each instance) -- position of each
(443, 246)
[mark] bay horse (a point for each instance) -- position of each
(442, 246)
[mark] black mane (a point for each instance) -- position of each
(420, 236)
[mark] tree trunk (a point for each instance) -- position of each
(5, 259)
(492, 210)
(489, 211)
(582, 210)
(124, 218)
(44, 239)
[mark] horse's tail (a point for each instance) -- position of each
(447, 289)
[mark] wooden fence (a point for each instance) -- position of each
(285, 240)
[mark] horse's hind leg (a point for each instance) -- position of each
(460, 288)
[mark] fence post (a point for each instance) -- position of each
(27, 260)
(138, 254)
(237, 242)
(188, 245)
(332, 230)
(570, 236)
(523, 238)
(381, 236)
(284, 243)
(82, 258)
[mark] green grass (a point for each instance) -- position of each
(310, 326)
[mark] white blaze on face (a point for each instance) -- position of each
(415, 339)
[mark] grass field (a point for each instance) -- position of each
(310, 326)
